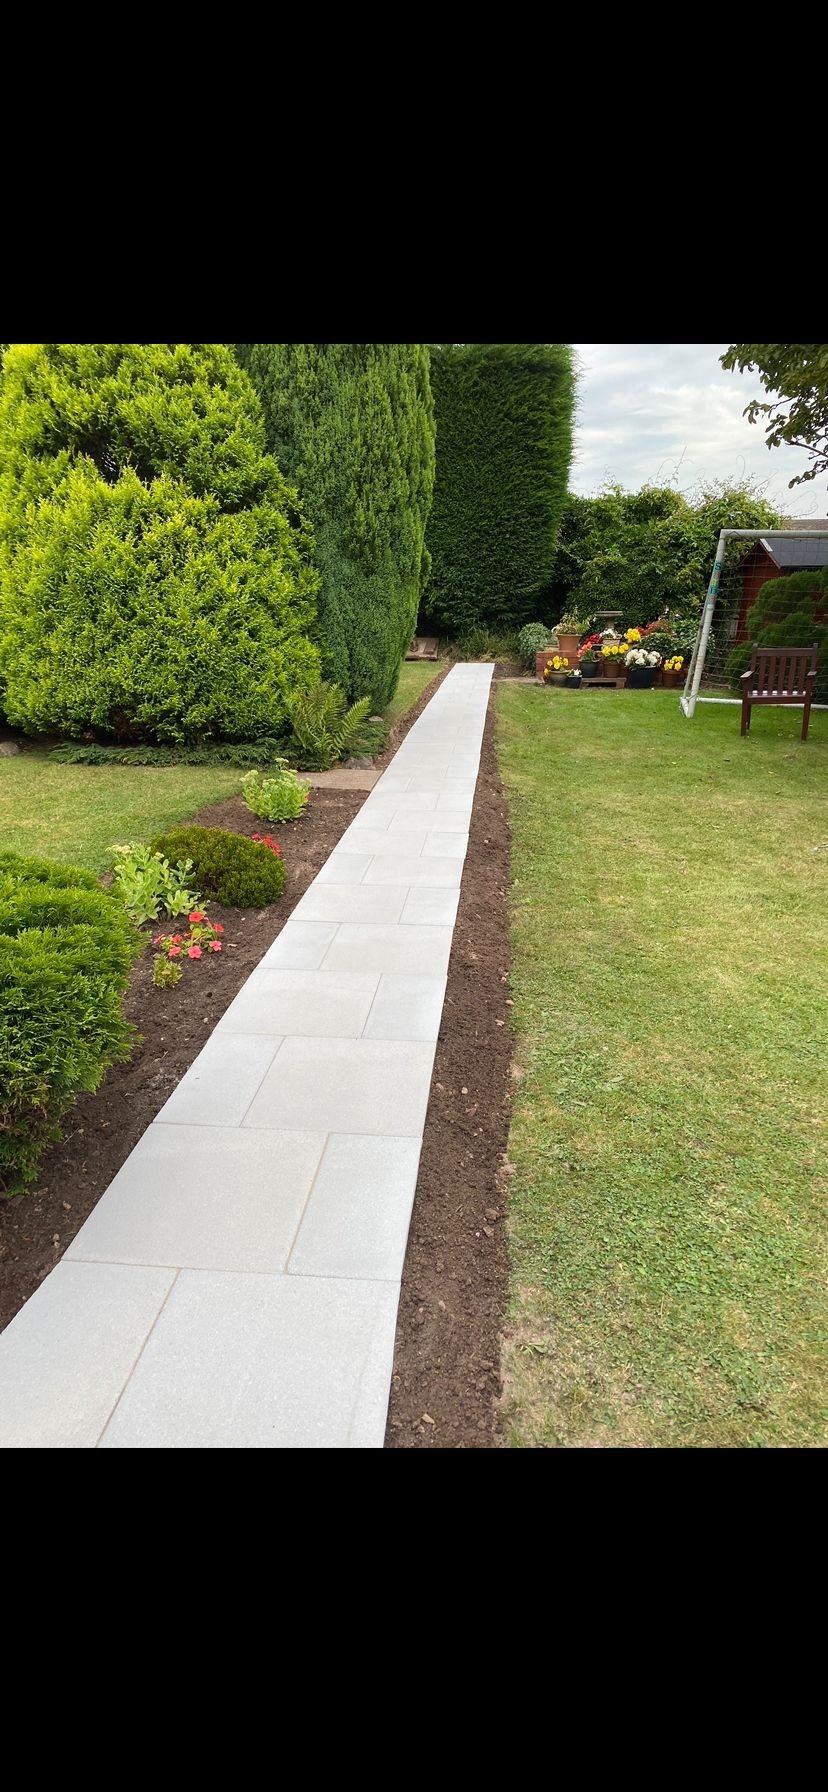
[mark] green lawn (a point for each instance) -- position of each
(670, 941)
(414, 676)
(76, 812)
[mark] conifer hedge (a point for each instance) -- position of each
(353, 424)
(504, 413)
(156, 572)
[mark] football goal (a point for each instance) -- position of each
(745, 560)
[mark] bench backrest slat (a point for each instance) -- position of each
(781, 669)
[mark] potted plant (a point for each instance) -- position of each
(591, 665)
(573, 680)
(555, 670)
(641, 668)
(672, 670)
(569, 631)
(612, 654)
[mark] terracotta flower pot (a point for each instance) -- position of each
(568, 648)
(671, 679)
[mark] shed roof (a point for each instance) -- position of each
(797, 551)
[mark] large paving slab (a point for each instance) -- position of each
(236, 1286)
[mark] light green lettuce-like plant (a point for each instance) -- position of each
(147, 883)
(278, 795)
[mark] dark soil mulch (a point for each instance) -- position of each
(446, 1385)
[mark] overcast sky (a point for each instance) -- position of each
(663, 412)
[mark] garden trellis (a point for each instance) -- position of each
(734, 585)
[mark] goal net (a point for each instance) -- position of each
(747, 559)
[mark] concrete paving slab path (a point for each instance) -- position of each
(236, 1287)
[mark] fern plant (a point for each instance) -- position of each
(324, 727)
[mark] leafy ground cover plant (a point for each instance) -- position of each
(277, 796)
(148, 884)
(238, 872)
(243, 753)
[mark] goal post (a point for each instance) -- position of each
(730, 593)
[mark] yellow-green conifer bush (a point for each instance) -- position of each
(156, 569)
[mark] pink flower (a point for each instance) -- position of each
(215, 945)
(218, 927)
(177, 938)
(193, 951)
(197, 915)
(174, 952)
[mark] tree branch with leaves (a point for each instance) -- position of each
(798, 373)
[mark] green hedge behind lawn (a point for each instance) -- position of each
(156, 580)
(66, 949)
(504, 415)
(353, 424)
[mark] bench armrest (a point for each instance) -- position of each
(811, 676)
(745, 676)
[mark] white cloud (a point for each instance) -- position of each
(668, 413)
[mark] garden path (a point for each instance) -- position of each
(237, 1284)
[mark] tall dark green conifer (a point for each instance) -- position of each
(504, 413)
(353, 424)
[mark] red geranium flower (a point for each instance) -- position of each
(197, 915)
(218, 927)
(193, 951)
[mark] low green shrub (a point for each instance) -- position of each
(323, 725)
(280, 797)
(66, 948)
(789, 612)
(148, 884)
(237, 871)
(531, 640)
(258, 752)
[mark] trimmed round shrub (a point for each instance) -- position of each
(156, 571)
(789, 612)
(66, 948)
(237, 871)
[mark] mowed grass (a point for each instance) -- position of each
(75, 813)
(670, 969)
(414, 676)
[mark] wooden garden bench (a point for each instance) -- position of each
(780, 675)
